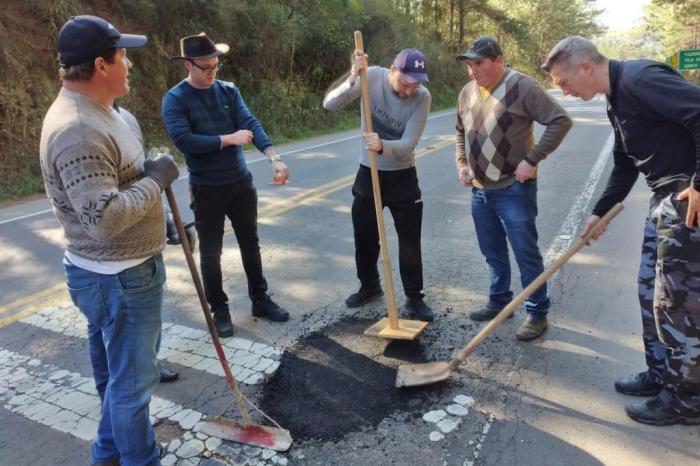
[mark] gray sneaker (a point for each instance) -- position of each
(531, 328)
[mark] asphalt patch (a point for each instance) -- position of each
(337, 381)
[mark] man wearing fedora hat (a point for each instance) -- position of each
(107, 197)
(208, 120)
(497, 158)
(400, 107)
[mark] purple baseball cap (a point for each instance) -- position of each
(412, 63)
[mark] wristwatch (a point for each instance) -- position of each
(275, 158)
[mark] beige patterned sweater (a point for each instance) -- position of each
(92, 165)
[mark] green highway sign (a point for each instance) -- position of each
(689, 60)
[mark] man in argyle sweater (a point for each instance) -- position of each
(497, 157)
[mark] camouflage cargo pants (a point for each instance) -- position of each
(669, 293)
(654, 349)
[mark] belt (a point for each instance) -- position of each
(672, 187)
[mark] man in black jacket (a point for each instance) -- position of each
(655, 115)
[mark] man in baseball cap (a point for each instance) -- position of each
(483, 47)
(498, 162)
(83, 38)
(400, 106)
(412, 64)
(107, 198)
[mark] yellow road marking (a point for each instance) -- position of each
(60, 297)
(31, 298)
(58, 294)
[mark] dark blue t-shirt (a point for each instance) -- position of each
(195, 118)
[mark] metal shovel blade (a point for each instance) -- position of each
(251, 434)
(414, 375)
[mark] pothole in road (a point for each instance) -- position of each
(337, 381)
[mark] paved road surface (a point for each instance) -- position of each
(548, 402)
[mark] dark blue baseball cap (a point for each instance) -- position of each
(83, 38)
(412, 63)
(483, 47)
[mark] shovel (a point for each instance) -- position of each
(274, 438)
(413, 375)
(391, 326)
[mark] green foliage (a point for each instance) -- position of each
(25, 178)
(628, 45)
(668, 27)
(676, 24)
(284, 55)
(547, 22)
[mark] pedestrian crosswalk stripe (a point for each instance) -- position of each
(250, 361)
(68, 402)
(64, 400)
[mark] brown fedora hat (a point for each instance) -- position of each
(200, 46)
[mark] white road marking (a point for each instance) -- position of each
(568, 230)
(250, 361)
(68, 402)
(22, 217)
(348, 138)
(260, 159)
(64, 400)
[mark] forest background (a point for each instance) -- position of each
(285, 54)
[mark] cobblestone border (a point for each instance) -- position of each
(67, 401)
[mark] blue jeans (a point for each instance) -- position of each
(509, 214)
(126, 309)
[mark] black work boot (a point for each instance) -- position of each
(642, 384)
(167, 374)
(417, 306)
(657, 412)
(222, 322)
(531, 328)
(487, 312)
(364, 295)
(267, 308)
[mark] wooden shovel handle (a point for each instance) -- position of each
(378, 205)
(205, 306)
(531, 288)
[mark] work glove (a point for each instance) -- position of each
(172, 234)
(162, 169)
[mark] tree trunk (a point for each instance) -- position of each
(462, 11)
(451, 37)
(437, 19)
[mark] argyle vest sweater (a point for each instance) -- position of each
(495, 131)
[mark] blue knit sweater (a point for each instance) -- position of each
(195, 118)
